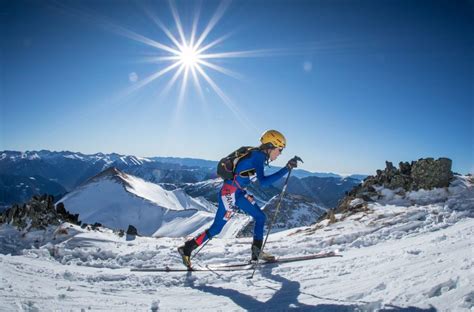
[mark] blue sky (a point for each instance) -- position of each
(350, 83)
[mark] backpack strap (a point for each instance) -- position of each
(234, 181)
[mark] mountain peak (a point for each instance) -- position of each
(112, 173)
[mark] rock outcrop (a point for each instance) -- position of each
(425, 173)
(38, 213)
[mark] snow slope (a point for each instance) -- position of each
(116, 200)
(403, 254)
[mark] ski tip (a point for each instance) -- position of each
(335, 253)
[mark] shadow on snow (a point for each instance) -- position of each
(286, 298)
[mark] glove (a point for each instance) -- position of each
(292, 163)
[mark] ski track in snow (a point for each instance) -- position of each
(396, 257)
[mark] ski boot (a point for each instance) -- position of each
(257, 252)
(185, 252)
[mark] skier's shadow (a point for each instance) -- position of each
(286, 298)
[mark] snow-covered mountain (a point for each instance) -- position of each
(402, 253)
(69, 170)
(117, 200)
(130, 160)
(52, 156)
(301, 173)
(323, 191)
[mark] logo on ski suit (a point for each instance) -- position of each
(228, 199)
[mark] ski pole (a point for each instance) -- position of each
(274, 217)
(200, 248)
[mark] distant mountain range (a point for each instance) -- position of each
(70, 170)
(55, 173)
(160, 196)
(324, 191)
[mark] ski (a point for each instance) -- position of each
(280, 260)
(237, 266)
(194, 269)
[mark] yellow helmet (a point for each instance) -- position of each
(274, 138)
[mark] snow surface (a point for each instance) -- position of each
(408, 257)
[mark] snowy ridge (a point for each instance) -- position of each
(412, 253)
(116, 200)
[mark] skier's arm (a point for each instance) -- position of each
(270, 179)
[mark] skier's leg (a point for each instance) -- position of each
(255, 212)
(225, 210)
(216, 227)
(248, 205)
(219, 221)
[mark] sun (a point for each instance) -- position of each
(189, 56)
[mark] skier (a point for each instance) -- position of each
(233, 195)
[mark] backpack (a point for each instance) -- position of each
(226, 166)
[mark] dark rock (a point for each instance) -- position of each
(399, 181)
(96, 226)
(38, 213)
(390, 170)
(72, 218)
(132, 230)
(371, 189)
(405, 168)
(429, 173)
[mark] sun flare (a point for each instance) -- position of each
(189, 56)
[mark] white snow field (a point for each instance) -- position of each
(411, 253)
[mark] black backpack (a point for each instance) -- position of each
(226, 166)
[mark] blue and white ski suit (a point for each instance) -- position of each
(233, 195)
